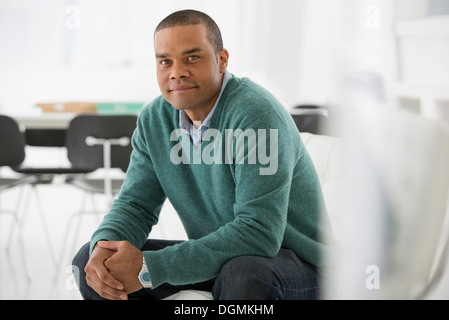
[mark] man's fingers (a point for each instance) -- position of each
(109, 281)
(105, 290)
(99, 278)
(101, 274)
(110, 245)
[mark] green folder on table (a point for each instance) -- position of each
(120, 108)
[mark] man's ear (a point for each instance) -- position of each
(223, 58)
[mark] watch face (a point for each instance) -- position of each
(145, 277)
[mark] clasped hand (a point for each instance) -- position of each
(113, 269)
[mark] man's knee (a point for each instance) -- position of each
(78, 263)
(81, 258)
(248, 278)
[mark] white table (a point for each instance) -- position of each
(56, 120)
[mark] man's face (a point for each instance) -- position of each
(189, 72)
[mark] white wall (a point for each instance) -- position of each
(103, 50)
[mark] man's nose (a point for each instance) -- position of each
(179, 71)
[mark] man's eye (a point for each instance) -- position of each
(164, 62)
(193, 58)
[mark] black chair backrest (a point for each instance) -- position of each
(313, 119)
(101, 127)
(45, 137)
(12, 146)
(312, 123)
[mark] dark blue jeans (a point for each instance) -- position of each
(284, 277)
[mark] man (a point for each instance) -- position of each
(253, 220)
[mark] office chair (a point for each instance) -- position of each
(12, 153)
(311, 119)
(53, 138)
(98, 142)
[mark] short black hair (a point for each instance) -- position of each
(193, 17)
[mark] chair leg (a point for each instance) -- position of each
(77, 227)
(21, 221)
(80, 215)
(17, 224)
(94, 206)
(45, 227)
(19, 215)
(65, 243)
(22, 249)
(76, 232)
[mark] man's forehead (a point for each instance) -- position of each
(184, 53)
(180, 38)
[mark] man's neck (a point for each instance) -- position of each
(198, 115)
(196, 124)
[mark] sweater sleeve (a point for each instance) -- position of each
(260, 211)
(137, 208)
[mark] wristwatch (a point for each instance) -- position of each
(144, 276)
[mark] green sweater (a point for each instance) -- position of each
(229, 207)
